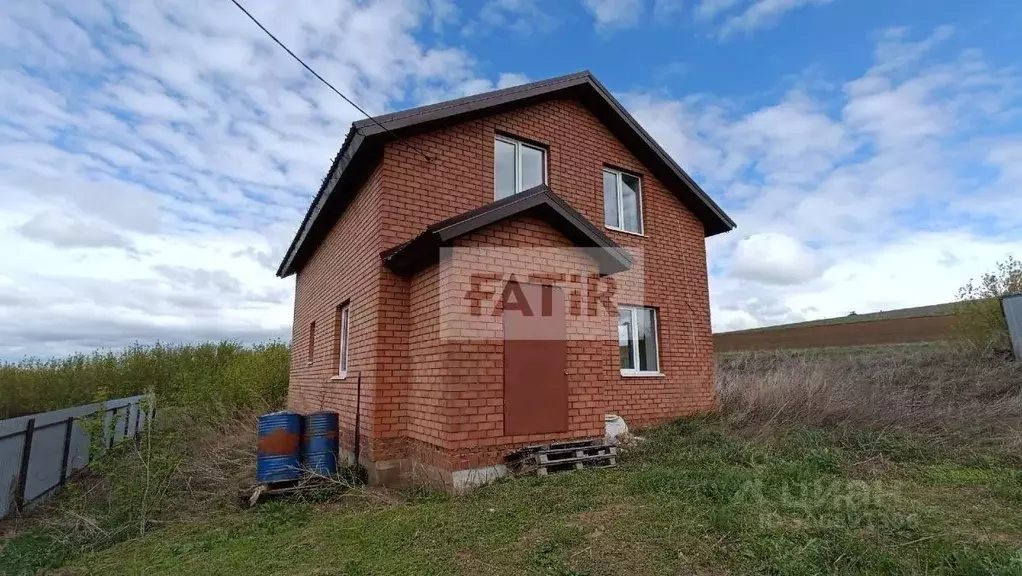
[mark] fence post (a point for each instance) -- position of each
(26, 454)
(138, 424)
(112, 428)
(67, 448)
(127, 420)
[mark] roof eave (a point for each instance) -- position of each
(714, 219)
(423, 250)
(352, 143)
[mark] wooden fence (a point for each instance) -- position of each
(40, 452)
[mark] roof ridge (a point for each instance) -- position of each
(481, 97)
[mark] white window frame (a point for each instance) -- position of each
(518, 144)
(344, 334)
(312, 343)
(635, 341)
(621, 203)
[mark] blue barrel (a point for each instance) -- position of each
(319, 443)
(279, 443)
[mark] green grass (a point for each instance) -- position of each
(211, 377)
(691, 500)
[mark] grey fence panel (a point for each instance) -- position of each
(45, 464)
(10, 463)
(78, 454)
(55, 436)
(1013, 314)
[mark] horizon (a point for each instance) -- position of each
(157, 160)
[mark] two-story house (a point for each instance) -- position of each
(498, 271)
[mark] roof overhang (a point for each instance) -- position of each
(424, 250)
(363, 145)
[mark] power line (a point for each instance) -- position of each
(320, 78)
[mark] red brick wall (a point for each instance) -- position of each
(417, 387)
(460, 178)
(455, 385)
(345, 268)
(426, 395)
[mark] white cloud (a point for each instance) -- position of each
(615, 14)
(774, 258)
(664, 9)
(890, 191)
(524, 17)
(155, 157)
(763, 13)
(65, 231)
(743, 16)
(711, 8)
(438, 93)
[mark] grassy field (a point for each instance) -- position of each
(214, 376)
(899, 461)
(692, 499)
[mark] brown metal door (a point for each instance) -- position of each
(535, 386)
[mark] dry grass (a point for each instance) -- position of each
(935, 391)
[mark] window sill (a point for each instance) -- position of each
(626, 374)
(339, 377)
(623, 231)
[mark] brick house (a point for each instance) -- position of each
(434, 230)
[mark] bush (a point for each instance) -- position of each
(212, 378)
(980, 318)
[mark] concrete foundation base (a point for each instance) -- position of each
(405, 472)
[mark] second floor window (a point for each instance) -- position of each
(517, 166)
(622, 201)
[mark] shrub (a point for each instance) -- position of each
(980, 318)
(215, 379)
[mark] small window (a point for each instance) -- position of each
(637, 340)
(342, 341)
(622, 201)
(516, 167)
(312, 341)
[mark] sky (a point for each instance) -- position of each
(157, 157)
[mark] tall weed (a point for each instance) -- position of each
(215, 379)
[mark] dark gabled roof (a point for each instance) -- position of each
(423, 250)
(363, 147)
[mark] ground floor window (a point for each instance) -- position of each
(637, 339)
(342, 341)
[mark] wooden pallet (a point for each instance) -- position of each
(563, 457)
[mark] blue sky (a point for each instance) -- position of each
(156, 157)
